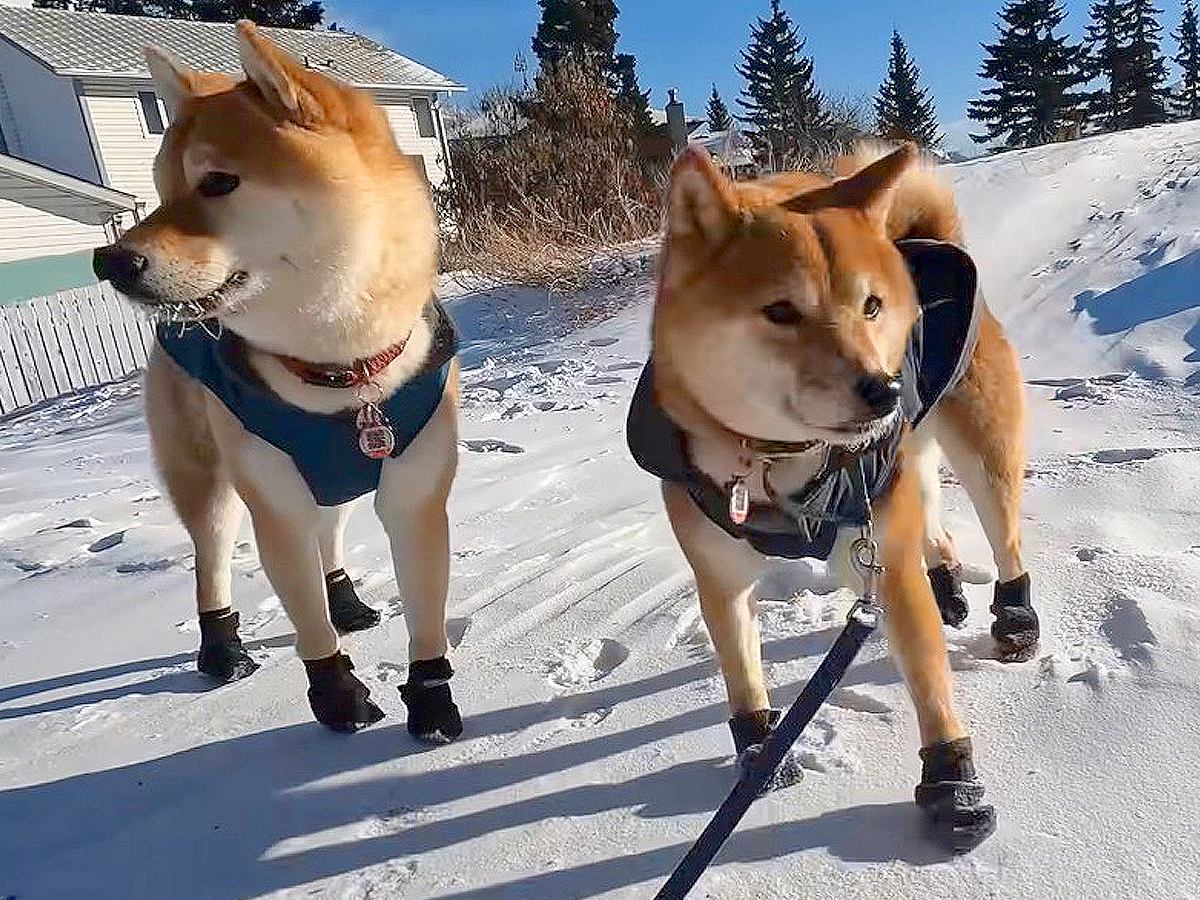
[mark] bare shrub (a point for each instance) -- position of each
(547, 186)
(848, 119)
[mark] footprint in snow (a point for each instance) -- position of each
(107, 542)
(602, 342)
(1130, 454)
(1127, 630)
(857, 701)
(492, 445)
(456, 629)
(133, 567)
(84, 522)
(578, 664)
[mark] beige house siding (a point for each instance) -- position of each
(29, 228)
(126, 148)
(403, 119)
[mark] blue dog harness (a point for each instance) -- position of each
(324, 448)
(806, 523)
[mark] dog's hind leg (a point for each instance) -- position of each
(941, 556)
(949, 792)
(346, 610)
(727, 571)
(981, 428)
(189, 463)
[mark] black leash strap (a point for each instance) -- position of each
(861, 624)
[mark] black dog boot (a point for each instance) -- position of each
(1016, 628)
(432, 715)
(222, 655)
(346, 611)
(339, 700)
(947, 585)
(951, 796)
(749, 731)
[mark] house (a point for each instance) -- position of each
(49, 223)
(76, 95)
(730, 149)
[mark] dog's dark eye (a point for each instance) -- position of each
(872, 306)
(218, 184)
(782, 313)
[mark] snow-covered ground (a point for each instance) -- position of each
(596, 744)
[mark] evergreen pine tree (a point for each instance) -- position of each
(587, 29)
(1147, 68)
(631, 100)
(1187, 101)
(1107, 60)
(718, 112)
(1036, 72)
(782, 105)
(577, 27)
(903, 109)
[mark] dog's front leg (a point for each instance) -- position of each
(286, 524)
(411, 504)
(727, 571)
(949, 792)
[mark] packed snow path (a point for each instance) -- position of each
(596, 744)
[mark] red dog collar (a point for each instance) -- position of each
(340, 375)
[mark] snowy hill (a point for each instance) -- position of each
(596, 744)
(1111, 226)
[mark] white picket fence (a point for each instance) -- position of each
(57, 345)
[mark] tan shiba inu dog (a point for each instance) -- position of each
(784, 314)
(291, 222)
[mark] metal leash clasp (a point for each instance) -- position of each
(864, 554)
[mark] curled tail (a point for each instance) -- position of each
(923, 205)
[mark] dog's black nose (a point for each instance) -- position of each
(119, 265)
(880, 392)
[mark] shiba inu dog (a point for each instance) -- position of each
(300, 245)
(802, 325)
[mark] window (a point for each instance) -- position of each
(154, 114)
(424, 117)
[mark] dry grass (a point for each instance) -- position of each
(548, 188)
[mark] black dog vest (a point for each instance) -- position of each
(805, 524)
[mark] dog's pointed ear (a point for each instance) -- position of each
(174, 81)
(870, 189)
(701, 204)
(283, 82)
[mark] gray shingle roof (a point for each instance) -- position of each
(73, 43)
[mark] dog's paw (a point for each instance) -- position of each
(346, 611)
(338, 699)
(788, 773)
(947, 585)
(1016, 629)
(222, 656)
(432, 714)
(750, 730)
(951, 796)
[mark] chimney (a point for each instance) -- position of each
(676, 124)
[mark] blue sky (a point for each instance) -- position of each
(689, 44)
